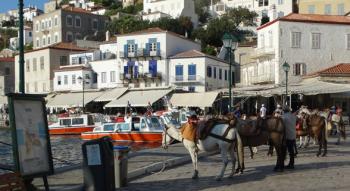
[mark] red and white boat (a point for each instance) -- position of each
(72, 125)
(141, 129)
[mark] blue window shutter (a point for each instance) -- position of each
(147, 48)
(158, 48)
(154, 68)
(136, 49)
(179, 70)
(125, 50)
(194, 69)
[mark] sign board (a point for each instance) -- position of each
(93, 154)
(30, 135)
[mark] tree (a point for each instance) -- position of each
(211, 34)
(264, 19)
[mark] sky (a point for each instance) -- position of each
(13, 4)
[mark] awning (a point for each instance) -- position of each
(139, 97)
(110, 95)
(71, 99)
(194, 99)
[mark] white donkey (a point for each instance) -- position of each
(213, 142)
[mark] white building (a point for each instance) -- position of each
(271, 8)
(307, 42)
(67, 78)
(195, 71)
(30, 12)
(27, 38)
(155, 9)
(144, 56)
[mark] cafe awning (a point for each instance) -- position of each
(110, 95)
(139, 97)
(205, 99)
(71, 99)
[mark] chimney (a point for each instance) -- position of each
(107, 36)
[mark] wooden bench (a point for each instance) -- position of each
(11, 182)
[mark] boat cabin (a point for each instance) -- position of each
(138, 124)
(78, 121)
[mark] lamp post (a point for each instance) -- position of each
(230, 42)
(21, 48)
(83, 81)
(286, 68)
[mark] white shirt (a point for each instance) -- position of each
(127, 119)
(263, 112)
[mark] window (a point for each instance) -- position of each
(103, 77)
(42, 25)
(131, 47)
(311, 9)
(41, 63)
(280, 2)
(59, 80)
(214, 72)
(341, 9)
(37, 27)
(73, 79)
(77, 121)
(56, 38)
(27, 65)
(153, 46)
(30, 34)
(37, 42)
(77, 22)
(65, 79)
(69, 20)
(220, 74)
(152, 67)
(348, 41)
(44, 41)
(263, 3)
(316, 40)
(66, 122)
(56, 21)
(225, 75)
(48, 40)
(179, 72)
(327, 9)
(209, 71)
(34, 64)
(191, 72)
(7, 71)
(50, 23)
(112, 77)
(69, 36)
(296, 38)
(95, 24)
(63, 60)
(299, 69)
(191, 89)
(94, 77)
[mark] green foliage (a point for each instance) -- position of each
(28, 47)
(5, 35)
(211, 35)
(133, 9)
(265, 19)
(210, 50)
(130, 24)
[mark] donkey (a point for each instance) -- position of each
(214, 142)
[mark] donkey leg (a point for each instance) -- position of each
(233, 159)
(223, 151)
(319, 146)
(300, 141)
(191, 147)
(251, 152)
(324, 142)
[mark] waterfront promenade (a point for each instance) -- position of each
(311, 173)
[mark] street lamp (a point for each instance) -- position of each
(230, 42)
(286, 68)
(83, 81)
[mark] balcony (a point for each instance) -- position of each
(187, 79)
(144, 77)
(263, 79)
(263, 53)
(139, 53)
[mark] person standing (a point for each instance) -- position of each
(189, 135)
(263, 111)
(278, 111)
(237, 112)
(289, 121)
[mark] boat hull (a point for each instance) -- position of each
(70, 130)
(126, 136)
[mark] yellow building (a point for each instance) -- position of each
(324, 7)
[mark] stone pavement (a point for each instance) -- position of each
(311, 173)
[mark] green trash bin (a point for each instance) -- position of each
(121, 165)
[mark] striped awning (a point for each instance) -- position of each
(111, 95)
(71, 99)
(205, 99)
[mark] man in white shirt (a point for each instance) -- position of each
(263, 111)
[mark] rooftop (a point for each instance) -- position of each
(7, 59)
(311, 18)
(195, 54)
(72, 68)
(61, 46)
(342, 69)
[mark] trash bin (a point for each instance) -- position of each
(98, 165)
(121, 165)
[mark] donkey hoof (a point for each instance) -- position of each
(251, 157)
(318, 154)
(218, 178)
(195, 175)
(324, 154)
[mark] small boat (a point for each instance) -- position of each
(141, 129)
(72, 125)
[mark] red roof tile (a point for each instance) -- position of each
(337, 70)
(76, 10)
(311, 18)
(61, 46)
(7, 59)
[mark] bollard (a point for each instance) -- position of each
(121, 166)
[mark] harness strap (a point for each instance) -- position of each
(226, 131)
(221, 138)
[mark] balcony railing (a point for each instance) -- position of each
(187, 79)
(139, 53)
(141, 76)
(192, 77)
(179, 78)
(260, 79)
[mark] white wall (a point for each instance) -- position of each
(77, 86)
(107, 66)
